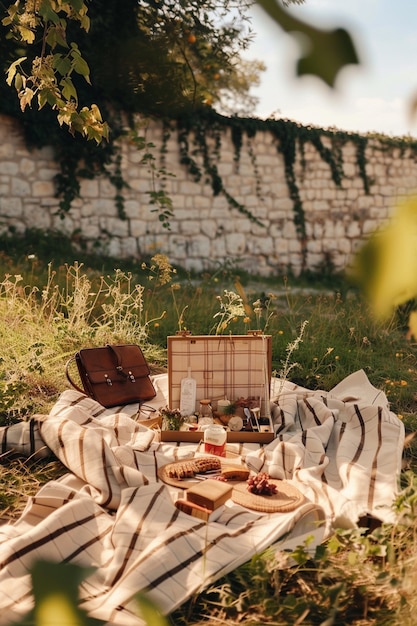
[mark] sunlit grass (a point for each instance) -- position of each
(48, 312)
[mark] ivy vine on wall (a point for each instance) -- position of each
(197, 132)
(200, 134)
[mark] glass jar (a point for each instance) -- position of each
(215, 440)
(205, 413)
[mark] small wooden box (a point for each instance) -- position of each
(209, 493)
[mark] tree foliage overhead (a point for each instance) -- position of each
(82, 61)
(159, 59)
(135, 56)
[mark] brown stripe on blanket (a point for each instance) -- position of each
(304, 438)
(34, 545)
(312, 411)
(116, 426)
(319, 490)
(323, 476)
(40, 502)
(180, 535)
(123, 475)
(374, 468)
(329, 499)
(232, 518)
(342, 431)
(283, 456)
(81, 455)
(4, 440)
(155, 464)
(61, 442)
(200, 553)
(135, 461)
(87, 544)
(135, 534)
(81, 400)
(361, 444)
(283, 422)
(106, 474)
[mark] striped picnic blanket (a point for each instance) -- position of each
(113, 514)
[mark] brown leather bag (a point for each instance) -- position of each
(113, 375)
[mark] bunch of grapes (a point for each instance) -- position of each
(259, 485)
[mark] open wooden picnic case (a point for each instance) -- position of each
(233, 367)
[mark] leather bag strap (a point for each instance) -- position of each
(118, 359)
(68, 375)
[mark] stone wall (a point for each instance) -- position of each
(205, 232)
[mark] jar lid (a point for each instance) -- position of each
(205, 401)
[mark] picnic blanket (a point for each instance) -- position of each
(111, 512)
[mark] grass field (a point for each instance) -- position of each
(54, 301)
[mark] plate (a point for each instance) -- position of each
(287, 498)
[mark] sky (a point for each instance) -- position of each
(372, 97)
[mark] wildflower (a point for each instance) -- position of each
(280, 332)
(231, 308)
(246, 320)
(156, 325)
(164, 268)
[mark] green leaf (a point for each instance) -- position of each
(51, 37)
(150, 612)
(26, 34)
(60, 34)
(328, 51)
(386, 265)
(81, 67)
(61, 64)
(77, 5)
(68, 89)
(55, 588)
(42, 98)
(47, 13)
(13, 69)
(18, 81)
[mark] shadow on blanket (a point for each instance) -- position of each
(342, 449)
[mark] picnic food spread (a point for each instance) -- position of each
(333, 456)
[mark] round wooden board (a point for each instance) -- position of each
(286, 499)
